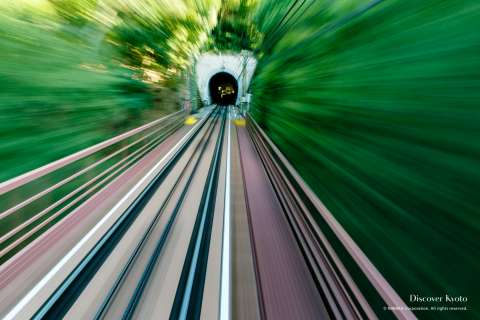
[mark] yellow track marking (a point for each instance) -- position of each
(239, 122)
(190, 120)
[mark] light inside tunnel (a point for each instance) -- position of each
(223, 89)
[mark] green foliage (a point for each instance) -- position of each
(75, 12)
(235, 30)
(138, 39)
(379, 111)
(56, 96)
(153, 43)
(75, 72)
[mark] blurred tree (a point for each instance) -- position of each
(75, 12)
(376, 103)
(75, 72)
(235, 29)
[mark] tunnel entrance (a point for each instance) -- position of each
(223, 89)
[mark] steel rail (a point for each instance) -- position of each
(225, 284)
(130, 310)
(340, 304)
(137, 154)
(61, 183)
(62, 299)
(376, 279)
(48, 168)
(189, 296)
(134, 157)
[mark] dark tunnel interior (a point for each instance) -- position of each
(223, 89)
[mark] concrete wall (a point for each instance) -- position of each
(209, 64)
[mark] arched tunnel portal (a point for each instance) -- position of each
(223, 89)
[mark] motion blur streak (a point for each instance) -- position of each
(75, 72)
(380, 112)
(361, 112)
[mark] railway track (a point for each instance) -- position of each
(155, 236)
(221, 227)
